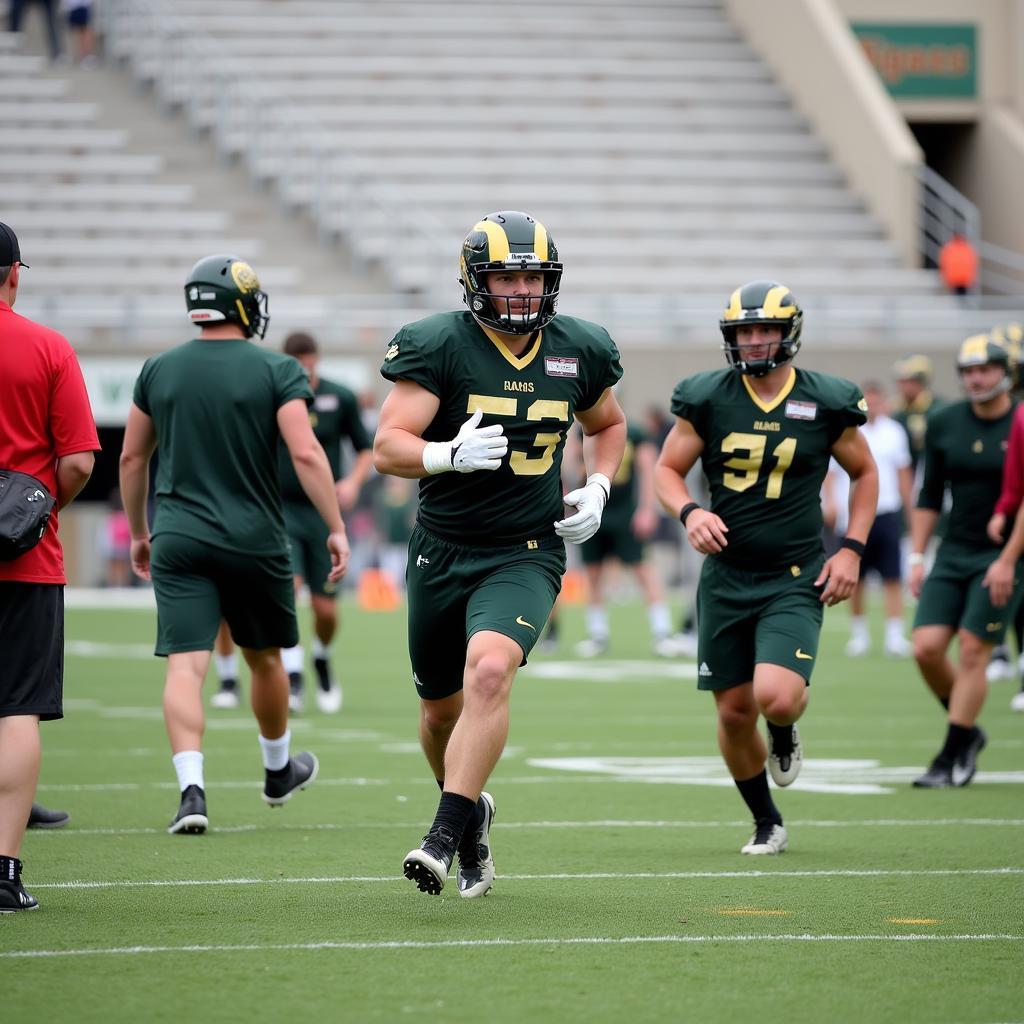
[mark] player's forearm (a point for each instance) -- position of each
(922, 525)
(605, 448)
(671, 490)
(317, 480)
(1014, 547)
(397, 452)
(863, 503)
(361, 468)
(73, 472)
(134, 473)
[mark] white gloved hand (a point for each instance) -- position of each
(589, 501)
(474, 447)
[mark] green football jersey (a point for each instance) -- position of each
(214, 408)
(334, 417)
(534, 397)
(622, 501)
(914, 419)
(967, 453)
(765, 462)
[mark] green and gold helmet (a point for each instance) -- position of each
(916, 367)
(509, 241)
(225, 288)
(982, 350)
(762, 302)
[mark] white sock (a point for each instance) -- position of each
(275, 752)
(858, 628)
(661, 623)
(597, 623)
(189, 766)
(319, 650)
(894, 629)
(226, 665)
(291, 657)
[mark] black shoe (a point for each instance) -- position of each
(965, 764)
(428, 865)
(300, 771)
(12, 893)
(476, 865)
(938, 776)
(191, 817)
(40, 817)
(295, 691)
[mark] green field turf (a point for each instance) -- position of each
(621, 893)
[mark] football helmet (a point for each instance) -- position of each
(982, 350)
(509, 240)
(915, 367)
(225, 288)
(762, 302)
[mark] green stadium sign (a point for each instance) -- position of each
(922, 61)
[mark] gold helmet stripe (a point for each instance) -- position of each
(497, 240)
(773, 304)
(540, 241)
(241, 312)
(735, 310)
(974, 349)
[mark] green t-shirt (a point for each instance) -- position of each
(967, 453)
(534, 397)
(914, 419)
(334, 417)
(625, 492)
(214, 408)
(765, 461)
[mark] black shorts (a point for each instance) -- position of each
(882, 550)
(32, 641)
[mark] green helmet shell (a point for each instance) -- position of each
(226, 289)
(762, 302)
(509, 240)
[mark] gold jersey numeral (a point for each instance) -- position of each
(540, 409)
(744, 468)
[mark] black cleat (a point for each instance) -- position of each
(428, 865)
(191, 817)
(12, 893)
(965, 764)
(938, 776)
(301, 771)
(40, 817)
(476, 865)
(295, 691)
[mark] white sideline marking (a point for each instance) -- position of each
(584, 940)
(524, 780)
(552, 877)
(331, 826)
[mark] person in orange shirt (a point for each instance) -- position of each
(958, 265)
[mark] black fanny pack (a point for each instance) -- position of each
(25, 507)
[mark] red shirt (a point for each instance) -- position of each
(1013, 470)
(44, 415)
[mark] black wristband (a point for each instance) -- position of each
(685, 511)
(856, 546)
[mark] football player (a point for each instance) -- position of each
(217, 406)
(764, 431)
(964, 449)
(478, 412)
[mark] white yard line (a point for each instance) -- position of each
(585, 940)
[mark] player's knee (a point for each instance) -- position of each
(736, 719)
(927, 651)
(973, 650)
(491, 677)
(440, 717)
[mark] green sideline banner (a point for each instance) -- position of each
(922, 61)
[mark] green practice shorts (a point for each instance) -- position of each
(457, 591)
(197, 584)
(750, 618)
(953, 596)
(613, 540)
(307, 536)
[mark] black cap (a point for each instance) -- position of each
(9, 251)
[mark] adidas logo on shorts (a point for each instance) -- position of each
(704, 670)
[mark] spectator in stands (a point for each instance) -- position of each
(488, 553)
(965, 451)
(79, 18)
(16, 12)
(891, 452)
(958, 265)
(630, 519)
(47, 432)
(219, 546)
(1007, 508)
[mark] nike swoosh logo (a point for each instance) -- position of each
(959, 775)
(804, 657)
(523, 622)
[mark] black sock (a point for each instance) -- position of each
(454, 813)
(944, 701)
(229, 684)
(957, 739)
(440, 784)
(10, 869)
(757, 797)
(782, 736)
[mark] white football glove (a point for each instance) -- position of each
(589, 501)
(474, 447)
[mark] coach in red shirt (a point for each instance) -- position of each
(47, 431)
